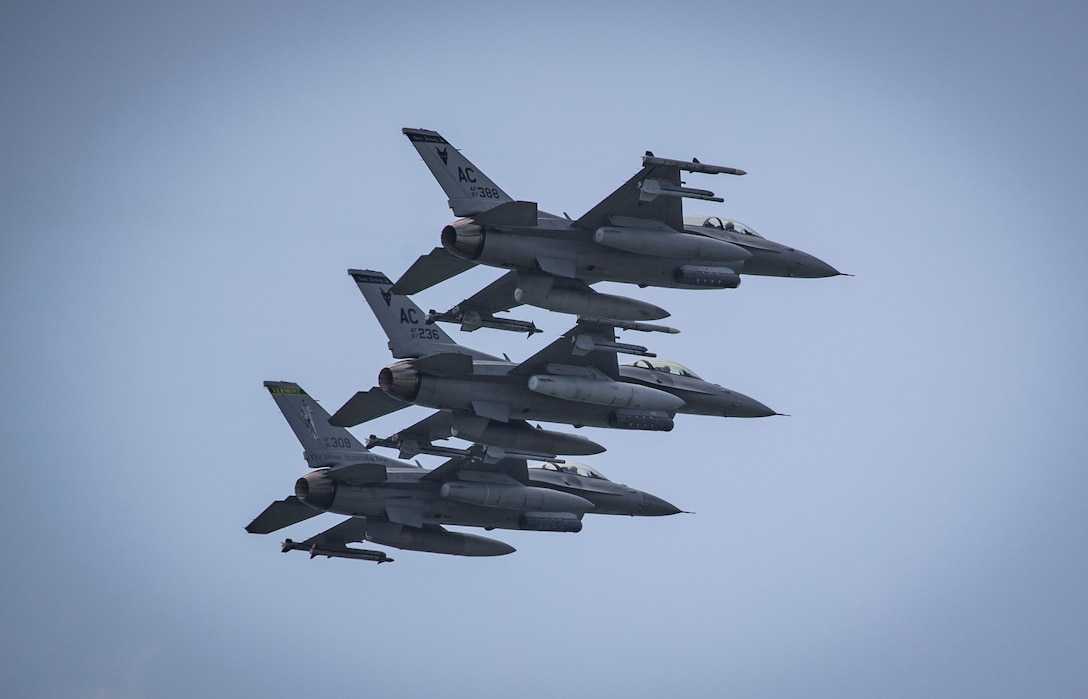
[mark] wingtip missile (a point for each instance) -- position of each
(692, 165)
(630, 325)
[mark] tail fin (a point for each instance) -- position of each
(470, 191)
(322, 444)
(403, 322)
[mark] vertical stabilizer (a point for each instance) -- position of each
(322, 444)
(402, 320)
(469, 190)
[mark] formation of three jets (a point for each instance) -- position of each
(638, 235)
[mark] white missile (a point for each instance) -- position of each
(685, 246)
(602, 392)
(691, 165)
(517, 497)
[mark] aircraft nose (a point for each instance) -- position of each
(653, 506)
(811, 267)
(740, 405)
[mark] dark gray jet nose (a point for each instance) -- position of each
(653, 506)
(740, 405)
(811, 267)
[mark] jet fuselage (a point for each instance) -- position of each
(493, 384)
(407, 488)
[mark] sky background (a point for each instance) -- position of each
(183, 187)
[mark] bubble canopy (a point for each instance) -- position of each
(571, 467)
(665, 366)
(720, 224)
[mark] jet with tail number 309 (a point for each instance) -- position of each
(398, 504)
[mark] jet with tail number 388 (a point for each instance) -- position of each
(638, 235)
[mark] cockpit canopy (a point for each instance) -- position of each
(720, 224)
(665, 366)
(571, 467)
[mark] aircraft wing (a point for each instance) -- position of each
(629, 201)
(365, 406)
(653, 195)
(433, 268)
(280, 514)
(577, 348)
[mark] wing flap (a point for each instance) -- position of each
(280, 514)
(433, 268)
(365, 406)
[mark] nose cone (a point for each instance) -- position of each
(653, 506)
(812, 267)
(740, 405)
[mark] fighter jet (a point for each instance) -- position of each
(636, 235)
(393, 503)
(576, 380)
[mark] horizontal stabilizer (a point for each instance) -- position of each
(365, 406)
(433, 268)
(280, 514)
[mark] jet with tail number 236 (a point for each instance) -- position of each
(576, 380)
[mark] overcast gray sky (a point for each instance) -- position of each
(183, 186)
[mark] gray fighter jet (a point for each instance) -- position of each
(398, 504)
(637, 235)
(576, 380)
